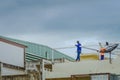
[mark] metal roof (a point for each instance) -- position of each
(36, 51)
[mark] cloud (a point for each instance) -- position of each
(61, 20)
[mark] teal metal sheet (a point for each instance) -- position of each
(41, 51)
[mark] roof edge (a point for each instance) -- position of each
(13, 43)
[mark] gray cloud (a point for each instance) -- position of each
(66, 19)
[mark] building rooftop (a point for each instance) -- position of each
(36, 51)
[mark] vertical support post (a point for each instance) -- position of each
(40, 70)
(1, 71)
(52, 56)
(46, 55)
(110, 60)
(43, 70)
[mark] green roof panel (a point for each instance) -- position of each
(36, 51)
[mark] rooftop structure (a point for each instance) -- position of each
(36, 51)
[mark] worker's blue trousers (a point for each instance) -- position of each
(78, 56)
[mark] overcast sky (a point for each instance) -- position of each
(60, 23)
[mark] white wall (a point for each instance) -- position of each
(11, 54)
(84, 67)
(8, 71)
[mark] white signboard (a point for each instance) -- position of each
(11, 54)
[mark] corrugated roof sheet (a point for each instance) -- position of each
(36, 51)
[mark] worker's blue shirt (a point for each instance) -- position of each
(78, 47)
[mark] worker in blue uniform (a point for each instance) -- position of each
(78, 45)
